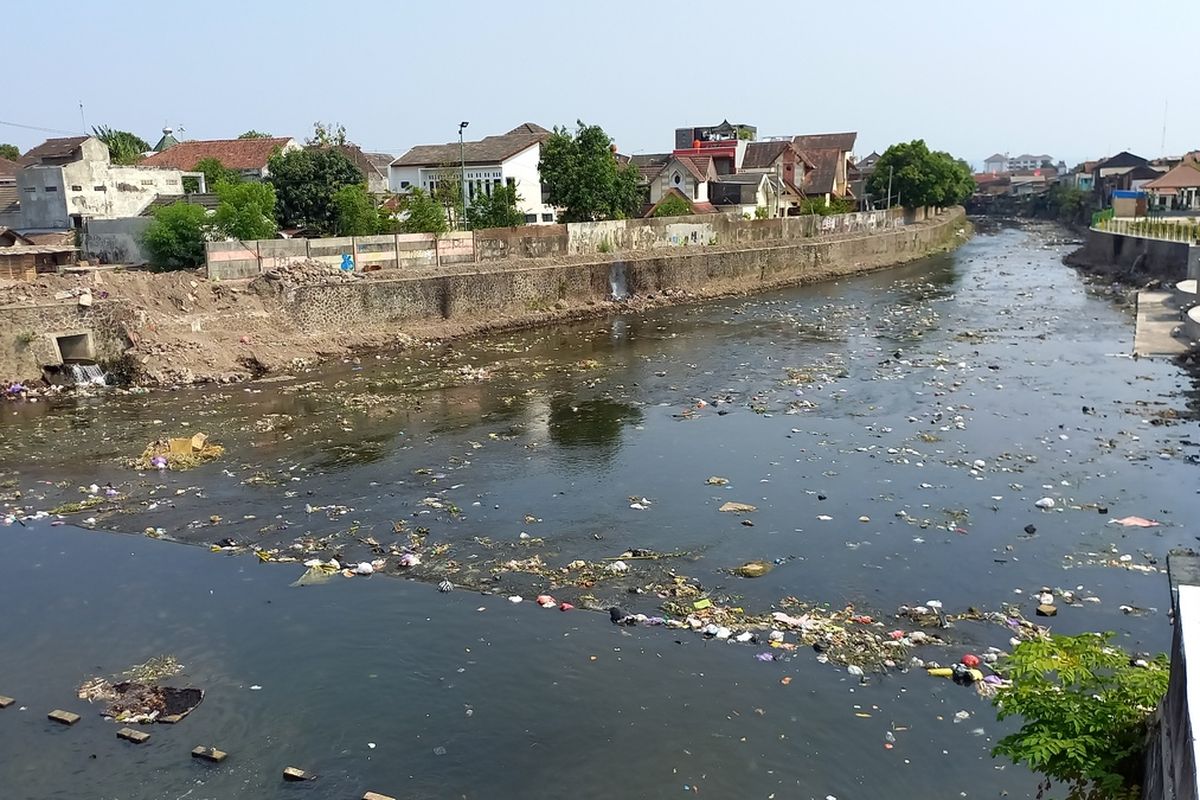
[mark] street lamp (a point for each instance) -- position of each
(462, 157)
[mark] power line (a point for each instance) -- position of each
(37, 128)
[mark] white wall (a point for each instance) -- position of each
(523, 168)
(95, 189)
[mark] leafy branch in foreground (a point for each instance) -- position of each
(1084, 705)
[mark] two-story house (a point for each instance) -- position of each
(69, 180)
(510, 159)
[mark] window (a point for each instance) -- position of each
(530, 219)
(51, 188)
(676, 179)
(511, 182)
(100, 188)
(696, 190)
(547, 218)
(404, 184)
(147, 181)
(172, 182)
(30, 189)
(76, 188)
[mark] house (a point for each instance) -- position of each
(508, 159)
(866, 165)
(687, 175)
(746, 193)
(373, 166)
(788, 168)
(9, 170)
(1109, 175)
(248, 156)
(830, 156)
(995, 163)
(11, 238)
(1177, 190)
(66, 181)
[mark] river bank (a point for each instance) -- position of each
(893, 430)
(178, 329)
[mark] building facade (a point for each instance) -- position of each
(67, 181)
(510, 159)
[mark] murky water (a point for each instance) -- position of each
(866, 398)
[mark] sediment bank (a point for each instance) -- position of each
(181, 328)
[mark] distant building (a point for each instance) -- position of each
(726, 131)
(67, 181)
(249, 157)
(1117, 173)
(373, 166)
(995, 163)
(508, 159)
(1027, 161)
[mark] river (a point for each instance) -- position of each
(893, 430)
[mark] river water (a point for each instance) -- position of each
(851, 414)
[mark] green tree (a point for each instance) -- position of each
(497, 210)
(582, 176)
(246, 210)
(921, 177)
(1084, 705)
(305, 182)
(9, 151)
(253, 134)
(673, 206)
(357, 212)
(124, 148)
(818, 205)
(214, 173)
(327, 134)
(175, 238)
(424, 214)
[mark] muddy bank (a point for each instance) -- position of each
(180, 328)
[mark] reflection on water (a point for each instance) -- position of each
(590, 423)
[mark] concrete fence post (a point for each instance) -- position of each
(307, 248)
(258, 255)
(437, 251)
(354, 252)
(396, 248)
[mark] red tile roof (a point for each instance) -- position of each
(826, 141)
(244, 154)
(1184, 176)
(9, 169)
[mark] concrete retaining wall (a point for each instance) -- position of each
(1114, 252)
(483, 297)
(229, 260)
(115, 241)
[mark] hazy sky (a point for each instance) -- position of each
(1067, 78)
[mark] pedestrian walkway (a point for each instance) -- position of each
(1157, 317)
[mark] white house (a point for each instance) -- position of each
(66, 181)
(510, 159)
(995, 164)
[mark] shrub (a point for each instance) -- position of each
(176, 237)
(1084, 705)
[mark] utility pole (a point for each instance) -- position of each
(462, 157)
(889, 205)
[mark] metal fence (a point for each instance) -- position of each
(1164, 230)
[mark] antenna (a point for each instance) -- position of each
(82, 118)
(1163, 146)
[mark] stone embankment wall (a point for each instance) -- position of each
(487, 298)
(32, 334)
